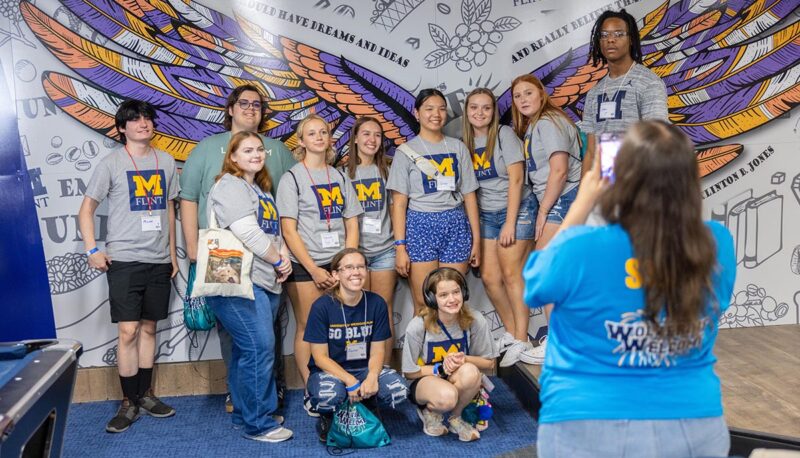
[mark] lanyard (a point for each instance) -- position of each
(383, 196)
(452, 341)
(449, 154)
(624, 78)
(330, 191)
(345, 319)
(149, 198)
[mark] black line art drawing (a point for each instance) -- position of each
(778, 178)
(322, 4)
(752, 307)
(413, 41)
(25, 70)
(69, 272)
(10, 10)
(756, 224)
(794, 263)
(56, 141)
(796, 187)
(389, 13)
(473, 41)
(443, 8)
(345, 10)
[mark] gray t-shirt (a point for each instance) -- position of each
(315, 202)
(451, 158)
(132, 195)
(371, 192)
(639, 95)
(422, 347)
(548, 136)
(233, 199)
(492, 175)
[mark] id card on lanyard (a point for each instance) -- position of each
(452, 341)
(354, 350)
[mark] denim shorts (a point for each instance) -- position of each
(613, 438)
(492, 222)
(438, 236)
(559, 210)
(382, 261)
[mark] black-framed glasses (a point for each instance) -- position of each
(605, 35)
(246, 104)
(351, 268)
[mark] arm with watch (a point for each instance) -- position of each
(97, 259)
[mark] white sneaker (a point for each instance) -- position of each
(307, 406)
(512, 354)
(505, 341)
(278, 434)
(535, 355)
(432, 423)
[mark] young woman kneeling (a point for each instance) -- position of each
(445, 349)
(347, 328)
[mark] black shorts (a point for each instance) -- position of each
(412, 392)
(299, 273)
(138, 290)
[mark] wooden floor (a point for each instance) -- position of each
(760, 373)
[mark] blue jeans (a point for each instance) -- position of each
(559, 209)
(250, 377)
(328, 392)
(690, 437)
(492, 222)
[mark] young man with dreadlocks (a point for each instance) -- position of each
(630, 92)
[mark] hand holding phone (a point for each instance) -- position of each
(610, 143)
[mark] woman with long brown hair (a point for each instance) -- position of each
(368, 170)
(240, 200)
(632, 330)
(553, 168)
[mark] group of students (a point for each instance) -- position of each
(337, 239)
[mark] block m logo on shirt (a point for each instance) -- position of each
(484, 169)
(530, 163)
(438, 350)
(370, 193)
(144, 186)
(268, 216)
(329, 200)
(447, 164)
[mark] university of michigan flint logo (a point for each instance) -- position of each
(329, 200)
(144, 186)
(370, 193)
(484, 169)
(447, 165)
(268, 216)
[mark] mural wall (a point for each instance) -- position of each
(731, 70)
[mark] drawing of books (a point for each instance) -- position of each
(737, 224)
(721, 211)
(764, 235)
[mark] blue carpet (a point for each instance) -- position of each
(202, 428)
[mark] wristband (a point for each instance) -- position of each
(92, 251)
(350, 389)
(399, 242)
(278, 264)
(438, 370)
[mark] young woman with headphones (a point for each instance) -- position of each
(445, 349)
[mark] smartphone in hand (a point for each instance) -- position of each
(610, 143)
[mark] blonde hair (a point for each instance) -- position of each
(300, 152)
(494, 125)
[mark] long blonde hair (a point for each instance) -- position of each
(300, 152)
(494, 125)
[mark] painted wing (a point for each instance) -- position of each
(185, 58)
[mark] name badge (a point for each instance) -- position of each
(608, 110)
(329, 239)
(444, 183)
(356, 351)
(372, 225)
(151, 223)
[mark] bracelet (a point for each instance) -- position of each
(399, 242)
(437, 369)
(350, 389)
(92, 251)
(278, 264)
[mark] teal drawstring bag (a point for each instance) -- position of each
(196, 314)
(354, 426)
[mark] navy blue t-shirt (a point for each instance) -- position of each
(325, 325)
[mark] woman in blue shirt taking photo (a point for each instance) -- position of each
(629, 370)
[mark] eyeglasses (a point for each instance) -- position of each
(605, 35)
(350, 268)
(245, 104)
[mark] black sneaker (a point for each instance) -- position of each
(323, 426)
(154, 407)
(128, 413)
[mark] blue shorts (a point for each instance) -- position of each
(492, 222)
(438, 236)
(382, 261)
(559, 210)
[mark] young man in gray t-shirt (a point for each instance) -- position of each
(630, 92)
(140, 184)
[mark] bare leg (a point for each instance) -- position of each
(492, 278)
(383, 283)
(438, 394)
(302, 295)
(467, 380)
(511, 260)
(128, 348)
(147, 343)
(419, 270)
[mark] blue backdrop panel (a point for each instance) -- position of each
(25, 308)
